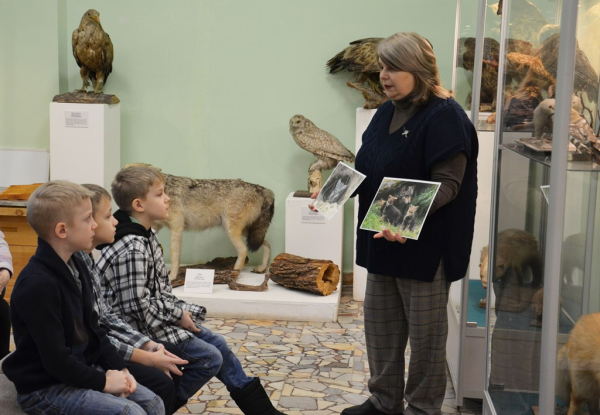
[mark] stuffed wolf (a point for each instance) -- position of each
(242, 209)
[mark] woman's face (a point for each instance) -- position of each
(397, 84)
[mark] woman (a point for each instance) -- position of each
(420, 134)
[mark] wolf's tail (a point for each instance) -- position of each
(563, 377)
(258, 229)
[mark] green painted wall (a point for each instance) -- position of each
(28, 71)
(207, 87)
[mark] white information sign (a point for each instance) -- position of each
(199, 281)
(76, 119)
(308, 216)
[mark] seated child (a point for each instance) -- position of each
(135, 281)
(6, 271)
(63, 362)
(150, 363)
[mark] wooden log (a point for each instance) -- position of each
(223, 267)
(319, 276)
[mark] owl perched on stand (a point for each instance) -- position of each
(93, 51)
(583, 138)
(325, 146)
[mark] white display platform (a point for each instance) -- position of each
(85, 142)
(317, 239)
(23, 166)
(359, 284)
(278, 303)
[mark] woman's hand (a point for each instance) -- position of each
(387, 234)
(314, 196)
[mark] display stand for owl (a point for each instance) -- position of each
(322, 144)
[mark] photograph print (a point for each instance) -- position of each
(340, 185)
(401, 206)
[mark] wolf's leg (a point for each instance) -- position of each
(576, 405)
(235, 236)
(266, 258)
(176, 235)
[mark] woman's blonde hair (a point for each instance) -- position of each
(410, 52)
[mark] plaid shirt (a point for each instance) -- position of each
(135, 280)
(121, 334)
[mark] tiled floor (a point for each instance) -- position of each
(307, 368)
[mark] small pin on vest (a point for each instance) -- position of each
(405, 133)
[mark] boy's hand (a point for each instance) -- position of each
(167, 362)
(187, 322)
(130, 381)
(117, 383)
(152, 346)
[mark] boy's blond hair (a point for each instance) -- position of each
(98, 193)
(53, 202)
(134, 182)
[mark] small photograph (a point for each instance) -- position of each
(342, 182)
(546, 192)
(401, 205)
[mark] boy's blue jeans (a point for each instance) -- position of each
(64, 399)
(209, 355)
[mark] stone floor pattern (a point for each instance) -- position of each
(306, 367)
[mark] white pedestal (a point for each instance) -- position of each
(278, 303)
(359, 284)
(89, 152)
(318, 240)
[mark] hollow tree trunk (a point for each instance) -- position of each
(319, 276)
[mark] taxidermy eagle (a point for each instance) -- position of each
(93, 51)
(489, 69)
(360, 58)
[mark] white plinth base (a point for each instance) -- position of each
(278, 303)
(89, 153)
(359, 283)
(312, 240)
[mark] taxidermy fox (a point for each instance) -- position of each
(242, 209)
(409, 218)
(390, 212)
(578, 375)
(516, 251)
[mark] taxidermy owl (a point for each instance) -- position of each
(93, 51)
(360, 58)
(325, 146)
(583, 138)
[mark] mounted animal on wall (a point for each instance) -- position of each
(242, 209)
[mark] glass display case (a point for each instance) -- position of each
(475, 69)
(542, 274)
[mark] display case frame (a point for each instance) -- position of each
(466, 330)
(567, 177)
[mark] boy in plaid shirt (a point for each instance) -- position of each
(135, 282)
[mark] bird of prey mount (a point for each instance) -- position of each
(360, 58)
(320, 143)
(93, 51)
